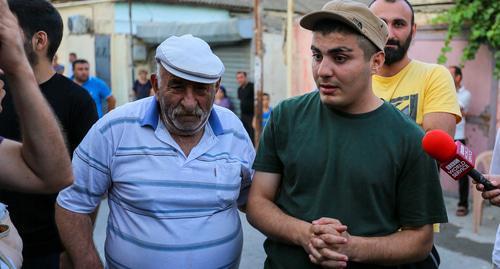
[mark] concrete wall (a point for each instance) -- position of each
(111, 17)
(120, 68)
(274, 67)
(477, 79)
(100, 14)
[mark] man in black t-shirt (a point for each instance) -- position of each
(246, 96)
(33, 215)
(39, 164)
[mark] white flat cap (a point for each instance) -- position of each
(190, 58)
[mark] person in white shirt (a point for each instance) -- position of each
(464, 98)
(494, 195)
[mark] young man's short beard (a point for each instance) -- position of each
(30, 54)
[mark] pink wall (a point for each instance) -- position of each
(477, 79)
(303, 80)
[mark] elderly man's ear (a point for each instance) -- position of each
(154, 83)
(217, 84)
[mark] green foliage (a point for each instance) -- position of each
(483, 19)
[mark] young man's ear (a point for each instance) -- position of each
(154, 83)
(40, 41)
(377, 62)
(413, 31)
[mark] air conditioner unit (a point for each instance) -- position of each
(78, 25)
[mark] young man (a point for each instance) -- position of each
(34, 214)
(464, 99)
(94, 85)
(423, 91)
(341, 179)
(40, 164)
(175, 169)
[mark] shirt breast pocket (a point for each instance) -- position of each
(228, 177)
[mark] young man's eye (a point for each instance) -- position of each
(317, 56)
(399, 24)
(340, 59)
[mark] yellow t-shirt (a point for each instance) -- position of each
(418, 89)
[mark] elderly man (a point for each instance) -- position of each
(175, 168)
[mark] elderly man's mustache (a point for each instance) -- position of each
(180, 111)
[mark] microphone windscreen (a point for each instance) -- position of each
(439, 145)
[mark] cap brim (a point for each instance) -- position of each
(309, 20)
(188, 76)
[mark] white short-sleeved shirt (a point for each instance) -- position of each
(495, 170)
(167, 210)
(464, 98)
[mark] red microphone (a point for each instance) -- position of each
(455, 158)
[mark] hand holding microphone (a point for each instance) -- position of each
(454, 157)
(493, 195)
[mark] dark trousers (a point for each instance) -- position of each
(49, 261)
(463, 188)
(247, 124)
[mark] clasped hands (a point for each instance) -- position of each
(328, 244)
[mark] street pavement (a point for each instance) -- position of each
(458, 246)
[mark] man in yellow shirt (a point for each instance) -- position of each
(423, 91)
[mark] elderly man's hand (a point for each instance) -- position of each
(494, 195)
(328, 246)
(11, 42)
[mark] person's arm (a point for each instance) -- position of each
(440, 120)
(409, 245)
(248, 155)
(105, 93)
(267, 217)
(76, 231)
(111, 102)
(41, 162)
(78, 203)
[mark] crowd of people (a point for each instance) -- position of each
(339, 179)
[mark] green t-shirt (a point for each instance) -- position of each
(367, 170)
